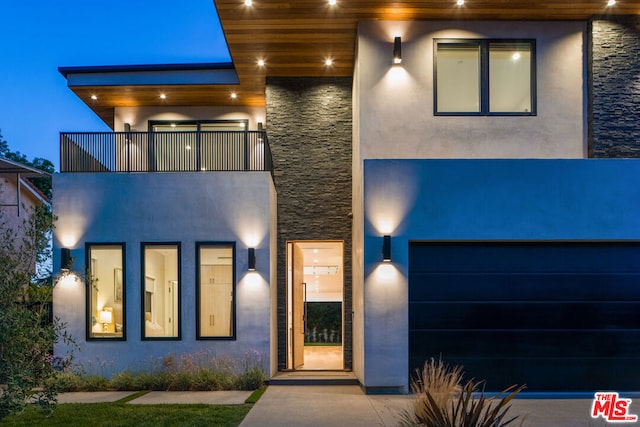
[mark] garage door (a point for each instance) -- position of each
(554, 316)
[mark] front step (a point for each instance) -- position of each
(314, 378)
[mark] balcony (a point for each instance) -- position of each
(165, 151)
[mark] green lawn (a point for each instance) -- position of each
(122, 414)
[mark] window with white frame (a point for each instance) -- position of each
(484, 77)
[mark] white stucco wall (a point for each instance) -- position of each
(168, 207)
(138, 117)
(396, 102)
(393, 119)
(476, 200)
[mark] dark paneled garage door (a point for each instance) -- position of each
(554, 316)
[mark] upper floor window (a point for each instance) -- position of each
(198, 125)
(106, 291)
(484, 77)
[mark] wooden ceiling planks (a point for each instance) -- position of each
(295, 37)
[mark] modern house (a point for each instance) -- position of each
(461, 178)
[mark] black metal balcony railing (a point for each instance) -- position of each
(165, 151)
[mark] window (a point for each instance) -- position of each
(216, 291)
(106, 291)
(484, 77)
(205, 145)
(161, 291)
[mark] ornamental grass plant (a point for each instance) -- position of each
(442, 402)
(201, 371)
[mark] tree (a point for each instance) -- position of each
(27, 332)
(43, 184)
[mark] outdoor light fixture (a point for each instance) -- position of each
(252, 259)
(65, 259)
(386, 248)
(397, 50)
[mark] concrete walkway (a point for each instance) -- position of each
(347, 405)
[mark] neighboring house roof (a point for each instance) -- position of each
(294, 37)
(11, 168)
(14, 170)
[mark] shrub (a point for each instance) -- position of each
(27, 331)
(441, 402)
(95, 383)
(197, 372)
(123, 381)
(67, 381)
(252, 379)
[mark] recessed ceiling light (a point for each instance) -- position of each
(332, 2)
(234, 95)
(515, 56)
(163, 96)
(94, 97)
(460, 2)
(248, 2)
(260, 62)
(328, 62)
(611, 2)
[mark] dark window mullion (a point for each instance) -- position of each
(484, 77)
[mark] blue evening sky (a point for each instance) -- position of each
(38, 36)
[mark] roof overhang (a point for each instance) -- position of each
(9, 168)
(151, 75)
(294, 37)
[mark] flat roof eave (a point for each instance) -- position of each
(148, 75)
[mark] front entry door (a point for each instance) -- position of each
(298, 300)
(314, 305)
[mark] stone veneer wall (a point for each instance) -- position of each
(614, 79)
(309, 122)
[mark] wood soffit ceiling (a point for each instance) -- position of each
(294, 37)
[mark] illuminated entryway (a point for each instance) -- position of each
(314, 305)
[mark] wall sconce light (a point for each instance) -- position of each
(386, 248)
(252, 259)
(65, 259)
(397, 50)
(106, 318)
